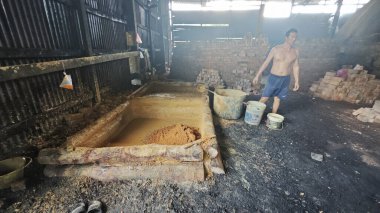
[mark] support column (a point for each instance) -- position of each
(86, 37)
(259, 27)
(336, 18)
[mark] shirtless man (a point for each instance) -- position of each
(285, 60)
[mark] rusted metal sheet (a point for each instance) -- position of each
(35, 37)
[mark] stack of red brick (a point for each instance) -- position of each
(356, 87)
(371, 115)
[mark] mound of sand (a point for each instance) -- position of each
(177, 134)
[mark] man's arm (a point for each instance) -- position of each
(264, 65)
(296, 73)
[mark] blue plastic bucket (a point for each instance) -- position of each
(228, 103)
(254, 112)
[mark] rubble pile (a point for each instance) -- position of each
(351, 85)
(370, 115)
(210, 77)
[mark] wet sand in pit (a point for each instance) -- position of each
(177, 134)
(139, 129)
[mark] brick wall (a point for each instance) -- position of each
(237, 60)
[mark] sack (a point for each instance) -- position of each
(67, 82)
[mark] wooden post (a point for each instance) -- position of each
(86, 36)
(85, 27)
(120, 154)
(134, 65)
(173, 172)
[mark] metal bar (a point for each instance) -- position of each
(61, 27)
(52, 90)
(66, 26)
(26, 70)
(3, 28)
(12, 24)
(43, 92)
(28, 29)
(57, 78)
(40, 24)
(48, 25)
(23, 105)
(32, 95)
(99, 30)
(27, 9)
(54, 23)
(92, 31)
(11, 102)
(5, 104)
(17, 16)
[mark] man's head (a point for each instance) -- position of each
(291, 36)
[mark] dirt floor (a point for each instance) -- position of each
(267, 171)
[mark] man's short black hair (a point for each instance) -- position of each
(292, 30)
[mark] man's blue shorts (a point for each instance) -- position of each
(277, 86)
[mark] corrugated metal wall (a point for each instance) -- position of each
(44, 30)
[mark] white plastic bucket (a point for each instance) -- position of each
(254, 112)
(274, 121)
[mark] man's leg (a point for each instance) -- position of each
(276, 104)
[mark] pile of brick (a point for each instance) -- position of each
(243, 77)
(355, 87)
(211, 78)
(370, 115)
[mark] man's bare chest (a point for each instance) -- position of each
(285, 56)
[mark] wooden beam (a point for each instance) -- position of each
(100, 131)
(181, 172)
(28, 70)
(122, 154)
(40, 53)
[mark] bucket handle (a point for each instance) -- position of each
(212, 92)
(27, 164)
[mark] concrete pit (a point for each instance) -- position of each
(149, 136)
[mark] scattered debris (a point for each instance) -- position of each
(317, 157)
(369, 115)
